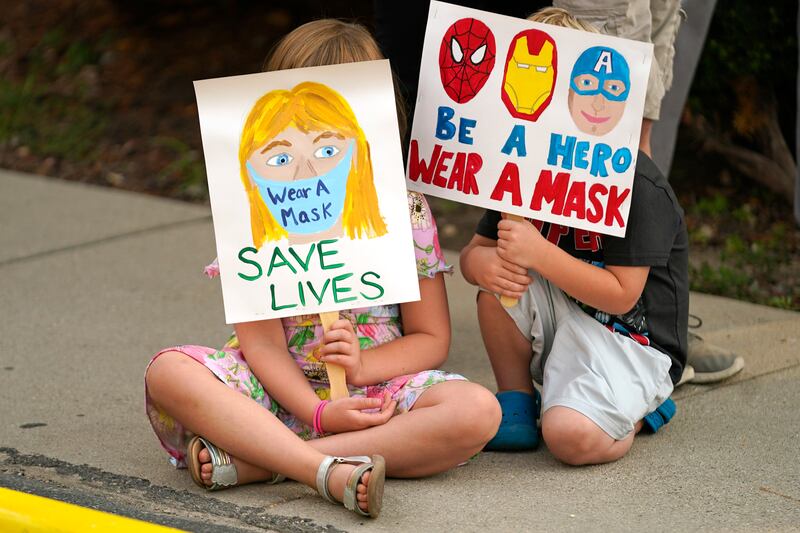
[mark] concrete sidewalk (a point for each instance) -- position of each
(94, 280)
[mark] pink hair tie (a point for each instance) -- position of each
(316, 423)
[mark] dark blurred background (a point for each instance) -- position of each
(101, 91)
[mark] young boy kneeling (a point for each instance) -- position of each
(601, 321)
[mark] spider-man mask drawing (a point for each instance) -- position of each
(466, 58)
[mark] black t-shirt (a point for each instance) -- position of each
(656, 237)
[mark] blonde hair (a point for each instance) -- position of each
(330, 42)
(313, 106)
(310, 106)
(561, 17)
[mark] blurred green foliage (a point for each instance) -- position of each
(744, 243)
(49, 110)
(751, 38)
(754, 41)
(754, 267)
(715, 205)
(186, 168)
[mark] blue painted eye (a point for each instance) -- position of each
(586, 83)
(280, 160)
(325, 152)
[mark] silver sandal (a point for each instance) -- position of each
(223, 471)
(376, 464)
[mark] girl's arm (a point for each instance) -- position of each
(423, 346)
(263, 344)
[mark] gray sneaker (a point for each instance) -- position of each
(711, 363)
(686, 377)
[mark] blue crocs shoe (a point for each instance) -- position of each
(518, 429)
(660, 417)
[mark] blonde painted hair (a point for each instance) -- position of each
(313, 106)
(330, 42)
(561, 17)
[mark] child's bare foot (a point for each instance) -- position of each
(246, 472)
(338, 480)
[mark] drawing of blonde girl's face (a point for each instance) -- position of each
(305, 164)
(302, 177)
(294, 155)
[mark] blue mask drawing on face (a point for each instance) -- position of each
(309, 205)
(603, 71)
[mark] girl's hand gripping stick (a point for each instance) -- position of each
(336, 374)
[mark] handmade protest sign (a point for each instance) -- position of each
(529, 119)
(307, 191)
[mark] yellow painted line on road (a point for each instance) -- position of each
(21, 512)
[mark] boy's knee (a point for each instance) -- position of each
(572, 437)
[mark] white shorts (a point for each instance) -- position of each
(581, 364)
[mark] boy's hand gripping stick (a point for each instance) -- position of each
(508, 301)
(336, 374)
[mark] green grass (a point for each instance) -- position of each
(748, 248)
(754, 269)
(48, 124)
(63, 123)
(187, 167)
(6, 47)
(712, 206)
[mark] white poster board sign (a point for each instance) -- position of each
(307, 190)
(529, 119)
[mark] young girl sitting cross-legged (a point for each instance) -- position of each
(257, 409)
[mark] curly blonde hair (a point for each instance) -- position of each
(561, 17)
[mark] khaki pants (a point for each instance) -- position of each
(651, 21)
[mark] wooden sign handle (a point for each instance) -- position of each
(508, 301)
(336, 374)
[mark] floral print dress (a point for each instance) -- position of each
(373, 325)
